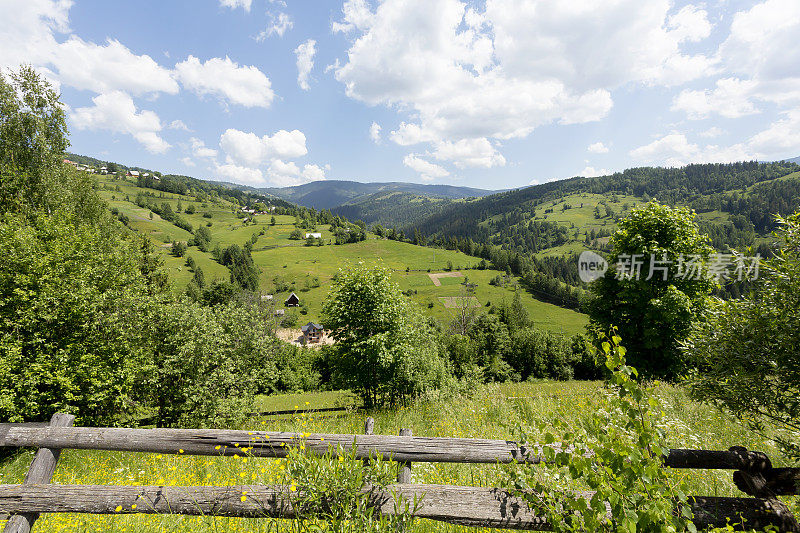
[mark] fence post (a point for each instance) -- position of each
(40, 473)
(369, 426)
(404, 474)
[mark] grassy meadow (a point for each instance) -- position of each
(308, 270)
(492, 412)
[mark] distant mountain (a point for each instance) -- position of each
(333, 193)
(392, 208)
(794, 160)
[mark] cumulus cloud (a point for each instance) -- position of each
(109, 67)
(116, 112)
(470, 153)
(286, 174)
(674, 150)
(233, 4)
(598, 148)
(591, 172)
(428, 171)
(730, 99)
(278, 24)
(239, 174)
(225, 79)
(305, 62)
(247, 148)
(464, 73)
(375, 132)
(28, 30)
(199, 148)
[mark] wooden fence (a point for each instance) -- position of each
(472, 506)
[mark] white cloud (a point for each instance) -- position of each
(305, 62)
(178, 125)
(86, 65)
(246, 86)
(251, 150)
(427, 170)
(461, 73)
(116, 112)
(470, 153)
(28, 31)
(199, 149)
(375, 132)
(278, 25)
(356, 15)
(407, 134)
(780, 140)
(713, 131)
(285, 174)
(689, 24)
(730, 99)
(188, 161)
(233, 4)
(598, 148)
(591, 172)
(238, 174)
(675, 150)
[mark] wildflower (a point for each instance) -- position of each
(180, 451)
(133, 506)
(118, 509)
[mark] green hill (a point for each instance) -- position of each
(287, 265)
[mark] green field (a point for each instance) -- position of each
(302, 267)
(492, 412)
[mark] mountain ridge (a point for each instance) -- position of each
(328, 194)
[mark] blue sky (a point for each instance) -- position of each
(491, 94)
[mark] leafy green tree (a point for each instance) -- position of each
(244, 273)
(654, 315)
(385, 349)
(746, 354)
(33, 138)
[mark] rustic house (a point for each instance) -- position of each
(315, 235)
(312, 333)
(292, 301)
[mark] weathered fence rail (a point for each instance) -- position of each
(489, 507)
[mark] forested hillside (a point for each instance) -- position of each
(328, 194)
(392, 208)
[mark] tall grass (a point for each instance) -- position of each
(492, 412)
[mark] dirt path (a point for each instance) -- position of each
(435, 277)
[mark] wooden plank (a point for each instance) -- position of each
(471, 506)
(268, 444)
(40, 472)
(277, 444)
(773, 482)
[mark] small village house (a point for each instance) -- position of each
(292, 301)
(134, 173)
(315, 235)
(312, 333)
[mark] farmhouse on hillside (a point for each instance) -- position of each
(292, 301)
(312, 333)
(134, 173)
(315, 235)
